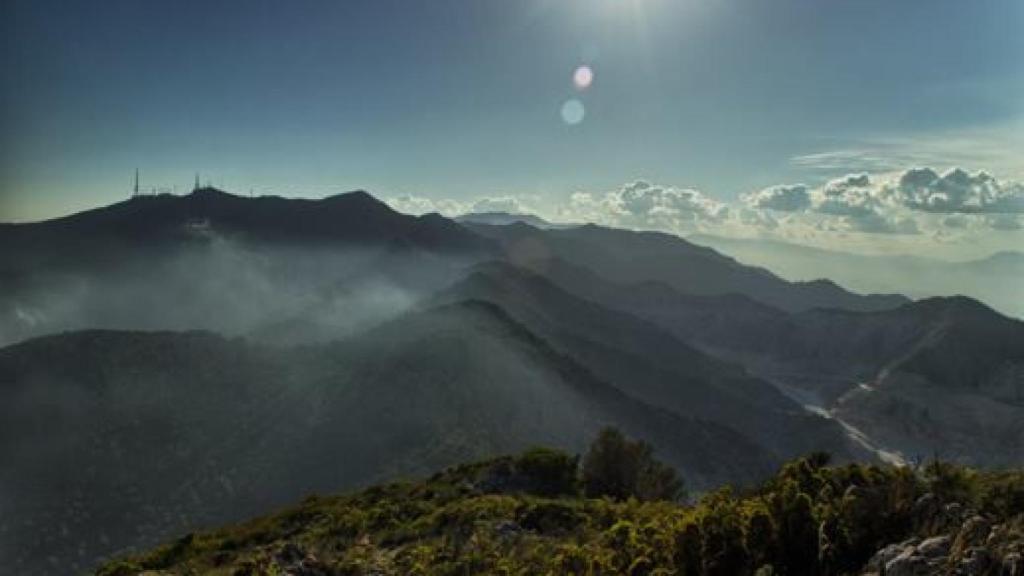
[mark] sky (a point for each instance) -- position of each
(699, 115)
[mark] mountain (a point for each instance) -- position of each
(996, 280)
(142, 223)
(502, 218)
(216, 261)
(647, 362)
(905, 383)
(627, 257)
(956, 389)
(115, 439)
(178, 362)
(286, 269)
(493, 517)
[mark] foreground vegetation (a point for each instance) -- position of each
(619, 511)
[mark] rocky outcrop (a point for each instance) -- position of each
(974, 546)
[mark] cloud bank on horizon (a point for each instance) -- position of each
(970, 213)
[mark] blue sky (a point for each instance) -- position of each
(458, 100)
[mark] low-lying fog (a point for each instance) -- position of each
(280, 295)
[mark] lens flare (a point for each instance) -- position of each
(582, 77)
(573, 112)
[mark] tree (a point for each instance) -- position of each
(797, 530)
(618, 467)
(549, 472)
(688, 545)
(760, 539)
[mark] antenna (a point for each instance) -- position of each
(196, 187)
(135, 188)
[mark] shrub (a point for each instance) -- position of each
(548, 472)
(949, 482)
(620, 468)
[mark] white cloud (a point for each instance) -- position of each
(782, 198)
(851, 196)
(417, 205)
(958, 191)
(509, 204)
(644, 205)
(997, 147)
(921, 206)
(411, 204)
(850, 160)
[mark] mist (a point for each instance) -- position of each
(271, 294)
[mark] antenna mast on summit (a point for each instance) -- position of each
(135, 188)
(196, 187)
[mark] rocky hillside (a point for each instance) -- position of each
(524, 515)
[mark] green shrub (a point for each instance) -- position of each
(549, 472)
(620, 468)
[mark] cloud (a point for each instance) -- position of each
(847, 161)
(958, 191)
(855, 200)
(996, 147)
(875, 223)
(641, 204)
(782, 198)
(509, 204)
(416, 205)
(920, 204)
(851, 195)
(756, 219)
(411, 204)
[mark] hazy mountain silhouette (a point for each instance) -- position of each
(144, 222)
(111, 439)
(894, 370)
(996, 280)
(502, 218)
(648, 362)
(222, 262)
(627, 256)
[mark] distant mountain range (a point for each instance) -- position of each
(997, 280)
(627, 256)
(502, 218)
(343, 343)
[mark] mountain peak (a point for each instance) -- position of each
(499, 218)
(210, 192)
(359, 195)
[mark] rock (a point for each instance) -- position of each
(293, 561)
(884, 556)
(908, 563)
(289, 554)
(994, 535)
(507, 528)
(310, 566)
(881, 558)
(926, 505)
(934, 547)
(954, 510)
(951, 517)
(974, 562)
(1013, 564)
(972, 533)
